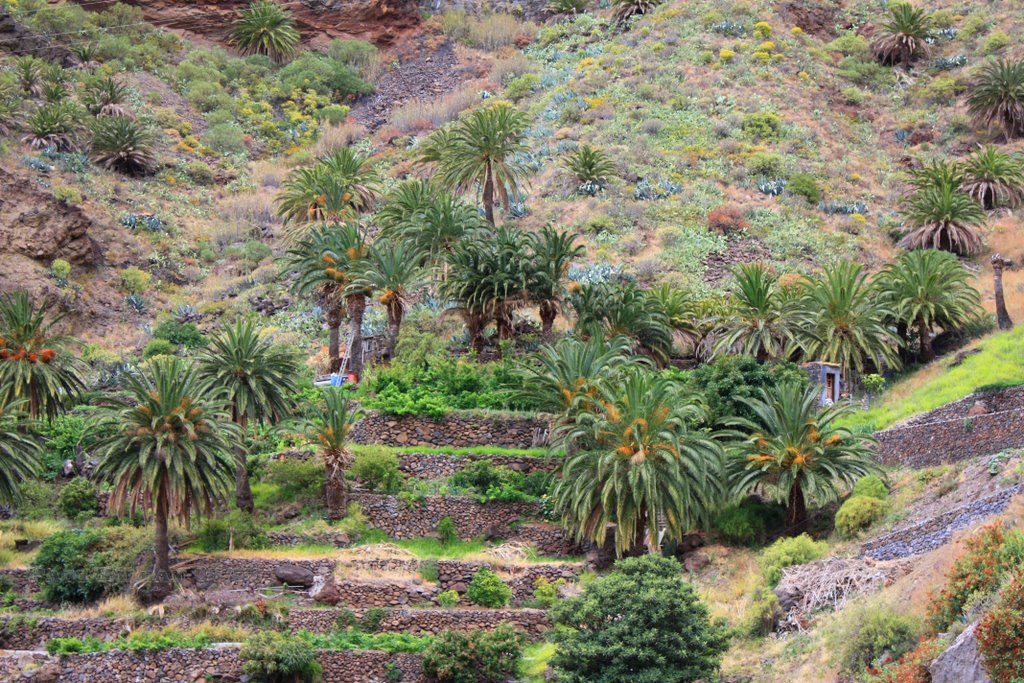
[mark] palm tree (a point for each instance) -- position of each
(635, 463)
(338, 187)
(758, 321)
(258, 382)
(996, 98)
(329, 426)
(993, 178)
(481, 152)
(796, 452)
(570, 372)
(590, 166)
(265, 28)
(624, 310)
(942, 216)
(166, 451)
(436, 227)
(404, 204)
(625, 9)
(904, 37)
(124, 145)
(1002, 315)
(841, 320)
(36, 364)
(19, 453)
(925, 288)
(683, 313)
(553, 253)
(392, 271)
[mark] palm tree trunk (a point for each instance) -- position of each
(337, 493)
(395, 315)
(356, 309)
(1002, 315)
(333, 314)
(925, 340)
(548, 312)
(243, 492)
(489, 195)
(796, 511)
(162, 566)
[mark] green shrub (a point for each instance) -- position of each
(78, 500)
(865, 633)
(273, 657)
(743, 523)
(448, 599)
(871, 485)
(996, 41)
(1001, 635)
(62, 436)
(60, 270)
(474, 657)
(787, 552)
(295, 479)
(317, 71)
(521, 86)
(804, 185)
(545, 593)
(378, 469)
(867, 73)
(159, 347)
(858, 513)
(35, 500)
(851, 45)
(200, 172)
(255, 251)
(237, 527)
(762, 125)
(729, 379)
(487, 590)
(134, 280)
(641, 622)
(765, 164)
(64, 566)
(480, 475)
(763, 613)
(447, 531)
(853, 95)
(333, 114)
(180, 334)
(65, 646)
(225, 138)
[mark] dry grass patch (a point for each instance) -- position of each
(426, 113)
(333, 137)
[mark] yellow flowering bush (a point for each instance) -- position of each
(762, 29)
(725, 54)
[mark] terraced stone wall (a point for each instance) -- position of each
(951, 439)
(422, 621)
(399, 519)
(455, 430)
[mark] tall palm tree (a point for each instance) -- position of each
(166, 450)
(996, 98)
(403, 204)
(925, 288)
(842, 321)
(796, 452)
(265, 28)
(36, 364)
(758, 321)
(436, 227)
(993, 178)
(338, 187)
(942, 216)
(904, 37)
(482, 152)
(684, 315)
(258, 382)
(393, 270)
(624, 310)
(635, 462)
(19, 453)
(1002, 315)
(329, 426)
(553, 253)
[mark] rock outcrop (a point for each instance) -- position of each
(962, 662)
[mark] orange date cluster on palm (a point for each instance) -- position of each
(22, 354)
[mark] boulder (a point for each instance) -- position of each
(325, 590)
(979, 408)
(961, 662)
(294, 575)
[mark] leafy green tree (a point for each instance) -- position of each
(640, 623)
(553, 253)
(166, 450)
(903, 39)
(36, 364)
(328, 426)
(993, 178)
(927, 288)
(338, 187)
(728, 380)
(258, 381)
(481, 151)
(842, 321)
(265, 28)
(433, 223)
(634, 461)
(19, 453)
(996, 97)
(392, 271)
(474, 656)
(759, 319)
(796, 452)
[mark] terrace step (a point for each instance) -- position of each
(440, 465)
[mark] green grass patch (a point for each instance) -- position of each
(535, 662)
(998, 365)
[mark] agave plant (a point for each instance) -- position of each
(266, 29)
(626, 9)
(123, 145)
(591, 167)
(29, 70)
(53, 125)
(944, 217)
(993, 178)
(106, 97)
(996, 99)
(903, 39)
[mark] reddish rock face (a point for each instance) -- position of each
(378, 21)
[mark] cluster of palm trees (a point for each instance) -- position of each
(642, 461)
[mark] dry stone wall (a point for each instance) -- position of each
(427, 621)
(437, 466)
(455, 430)
(399, 519)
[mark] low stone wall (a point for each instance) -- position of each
(456, 430)
(436, 466)
(398, 520)
(425, 621)
(22, 581)
(210, 572)
(549, 539)
(337, 539)
(32, 633)
(189, 666)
